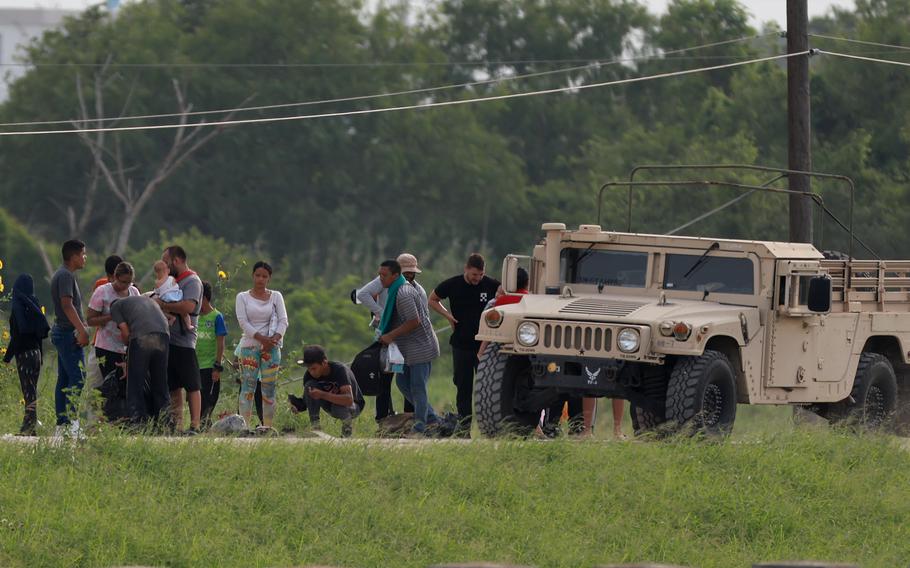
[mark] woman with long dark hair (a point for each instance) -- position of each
(27, 328)
(264, 320)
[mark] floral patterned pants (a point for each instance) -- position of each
(257, 365)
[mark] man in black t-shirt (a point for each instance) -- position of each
(329, 386)
(468, 295)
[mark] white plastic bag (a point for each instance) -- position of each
(392, 359)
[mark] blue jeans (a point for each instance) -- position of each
(413, 385)
(70, 374)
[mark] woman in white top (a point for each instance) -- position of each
(264, 320)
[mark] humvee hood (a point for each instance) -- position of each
(613, 308)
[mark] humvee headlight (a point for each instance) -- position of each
(493, 318)
(528, 334)
(682, 331)
(628, 340)
(666, 328)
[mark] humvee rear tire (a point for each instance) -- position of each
(498, 386)
(874, 395)
(701, 395)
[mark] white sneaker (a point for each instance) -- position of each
(75, 431)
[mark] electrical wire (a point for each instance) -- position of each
(411, 107)
(861, 58)
(594, 64)
(859, 41)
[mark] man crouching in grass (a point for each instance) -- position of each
(330, 386)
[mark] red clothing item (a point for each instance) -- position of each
(512, 298)
(184, 274)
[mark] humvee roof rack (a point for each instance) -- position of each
(766, 187)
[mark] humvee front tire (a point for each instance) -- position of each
(498, 385)
(643, 420)
(701, 394)
(874, 395)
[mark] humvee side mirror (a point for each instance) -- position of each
(510, 274)
(819, 299)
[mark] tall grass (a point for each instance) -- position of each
(118, 500)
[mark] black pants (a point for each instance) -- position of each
(28, 364)
(465, 363)
(147, 393)
(384, 406)
(343, 413)
(211, 390)
(108, 360)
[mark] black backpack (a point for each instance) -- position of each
(113, 392)
(367, 369)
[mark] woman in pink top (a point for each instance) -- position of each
(109, 348)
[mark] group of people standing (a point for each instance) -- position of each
(154, 347)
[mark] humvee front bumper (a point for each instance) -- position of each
(583, 376)
(577, 374)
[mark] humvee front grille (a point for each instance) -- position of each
(601, 307)
(579, 337)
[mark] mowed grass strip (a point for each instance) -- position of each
(118, 500)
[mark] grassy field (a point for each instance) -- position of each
(116, 500)
(775, 491)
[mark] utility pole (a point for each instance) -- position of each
(799, 150)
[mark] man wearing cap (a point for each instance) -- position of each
(410, 270)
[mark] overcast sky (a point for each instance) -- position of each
(762, 10)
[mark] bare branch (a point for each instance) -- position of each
(48, 265)
(88, 202)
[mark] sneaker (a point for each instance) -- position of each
(347, 430)
(28, 427)
(415, 434)
(315, 426)
(265, 431)
(75, 431)
(190, 432)
(462, 428)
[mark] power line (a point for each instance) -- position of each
(595, 64)
(861, 58)
(411, 107)
(861, 42)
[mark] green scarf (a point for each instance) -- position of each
(386, 319)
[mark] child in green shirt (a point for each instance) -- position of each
(211, 331)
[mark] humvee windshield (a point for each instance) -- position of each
(720, 274)
(607, 267)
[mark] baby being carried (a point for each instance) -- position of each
(167, 290)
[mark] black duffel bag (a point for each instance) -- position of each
(367, 369)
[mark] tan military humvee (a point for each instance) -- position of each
(686, 328)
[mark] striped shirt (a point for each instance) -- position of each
(419, 346)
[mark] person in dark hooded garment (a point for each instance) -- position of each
(27, 328)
